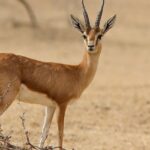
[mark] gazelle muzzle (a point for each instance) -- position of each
(91, 45)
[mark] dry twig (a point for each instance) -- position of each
(5, 143)
(31, 146)
(30, 13)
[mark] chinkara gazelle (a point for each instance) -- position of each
(52, 84)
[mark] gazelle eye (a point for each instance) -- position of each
(99, 37)
(84, 36)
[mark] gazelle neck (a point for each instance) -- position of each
(89, 65)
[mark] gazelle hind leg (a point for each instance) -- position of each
(8, 94)
(49, 112)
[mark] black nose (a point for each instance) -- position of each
(90, 47)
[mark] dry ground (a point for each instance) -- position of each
(114, 112)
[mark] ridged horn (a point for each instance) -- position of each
(99, 16)
(86, 17)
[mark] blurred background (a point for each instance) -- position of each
(115, 110)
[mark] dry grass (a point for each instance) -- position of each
(114, 112)
(5, 141)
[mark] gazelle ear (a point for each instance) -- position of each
(77, 24)
(109, 24)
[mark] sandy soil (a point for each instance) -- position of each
(114, 112)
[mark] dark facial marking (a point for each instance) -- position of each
(84, 36)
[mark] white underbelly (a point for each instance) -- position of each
(28, 96)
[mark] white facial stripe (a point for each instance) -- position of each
(85, 34)
(90, 43)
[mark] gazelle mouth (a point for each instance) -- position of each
(91, 47)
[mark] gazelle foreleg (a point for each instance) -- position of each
(49, 112)
(61, 115)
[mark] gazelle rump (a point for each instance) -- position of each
(53, 84)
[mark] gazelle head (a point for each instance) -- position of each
(92, 35)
